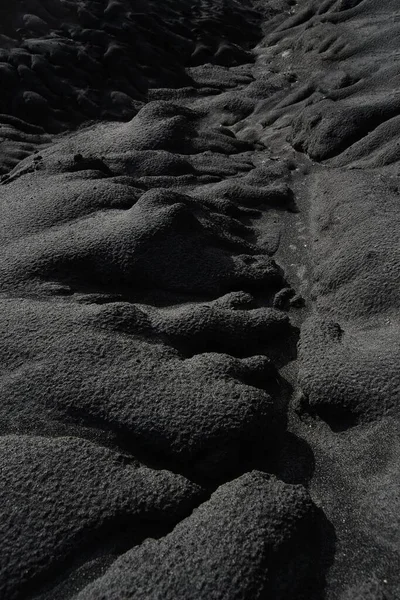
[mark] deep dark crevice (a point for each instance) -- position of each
(292, 460)
(337, 417)
(90, 163)
(322, 548)
(299, 568)
(278, 344)
(85, 289)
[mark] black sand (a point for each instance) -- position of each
(200, 294)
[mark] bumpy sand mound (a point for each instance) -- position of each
(233, 546)
(102, 493)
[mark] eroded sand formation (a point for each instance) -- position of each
(199, 289)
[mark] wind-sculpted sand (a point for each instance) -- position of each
(200, 293)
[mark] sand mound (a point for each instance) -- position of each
(242, 543)
(178, 408)
(63, 495)
(350, 351)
